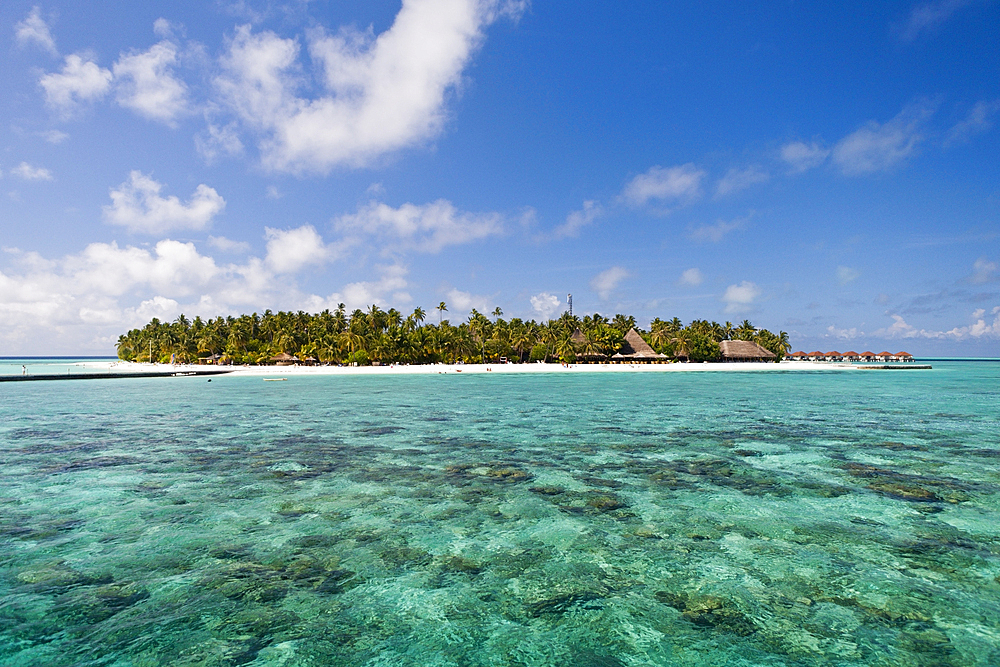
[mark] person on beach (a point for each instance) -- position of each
(24, 369)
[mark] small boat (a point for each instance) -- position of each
(275, 379)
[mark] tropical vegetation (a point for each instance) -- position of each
(376, 336)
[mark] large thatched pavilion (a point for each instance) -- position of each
(635, 349)
(744, 350)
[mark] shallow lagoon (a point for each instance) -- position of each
(614, 519)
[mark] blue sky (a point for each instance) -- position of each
(829, 171)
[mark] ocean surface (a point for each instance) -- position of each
(572, 519)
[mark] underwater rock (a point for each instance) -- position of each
(547, 490)
(93, 604)
(460, 564)
(494, 472)
(709, 611)
(910, 487)
(559, 604)
(728, 474)
(57, 575)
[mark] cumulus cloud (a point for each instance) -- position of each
(145, 83)
(605, 282)
(927, 16)
(28, 173)
(137, 205)
(692, 277)
(424, 228)
(228, 245)
(979, 120)
(545, 305)
(362, 294)
(34, 30)
(717, 232)
(801, 156)
(737, 180)
(846, 274)
(740, 298)
(461, 302)
(982, 271)
(79, 81)
(679, 184)
(290, 250)
(96, 294)
(879, 147)
(577, 220)
(381, 92)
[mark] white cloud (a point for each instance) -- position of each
(927, 16)
(878, 147)
(425, 228)
(34, 29)
(137, 205)
(605, 282)
(982, 271)
(801, 156)
(146, 84)
(546, 305)
(717, 232)
(740, 298)
(846, 274)
(692, 277)
(388, 288)
(218, 141)
(844, 334)
(28, 173)
(79, 81)
(737, 180)
(290, 250)
(979, 120)
(382, 93)
(228, 245)
(462, 302)
(54, 136)
(577, 220)
(681, 183)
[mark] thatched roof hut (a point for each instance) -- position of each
(744, 350)
(634, 348)
(580, 340)
(284, 359)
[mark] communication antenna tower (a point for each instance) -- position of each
(569, 300)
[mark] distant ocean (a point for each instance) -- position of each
(571, 519)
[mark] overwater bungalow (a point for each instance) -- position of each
(883, 356)
(635, 349)
(744, 350)
(833, 356)
(904, 357)
(851, 356)
(817, 356)
(799, 356)
(867, 356)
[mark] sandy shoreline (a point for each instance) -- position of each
(473, 369)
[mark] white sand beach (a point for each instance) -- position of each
(473, 369)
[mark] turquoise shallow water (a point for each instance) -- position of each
(612, 519)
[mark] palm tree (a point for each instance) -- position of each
(497, 313)
(442, 308)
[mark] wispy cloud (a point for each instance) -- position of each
(982, 271)
(672, 184)
(27, 172)
(927, 16)
(424, 228)
(737, 180)
(577, 220)
(979, 120)
(801, 156)
(714, 233)
(846, 274)
(34, 30)
(692, 277)
(878, 147)
(605, 282)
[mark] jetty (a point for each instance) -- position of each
(110, 375)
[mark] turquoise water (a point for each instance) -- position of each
(53, 365)
(613, 519)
